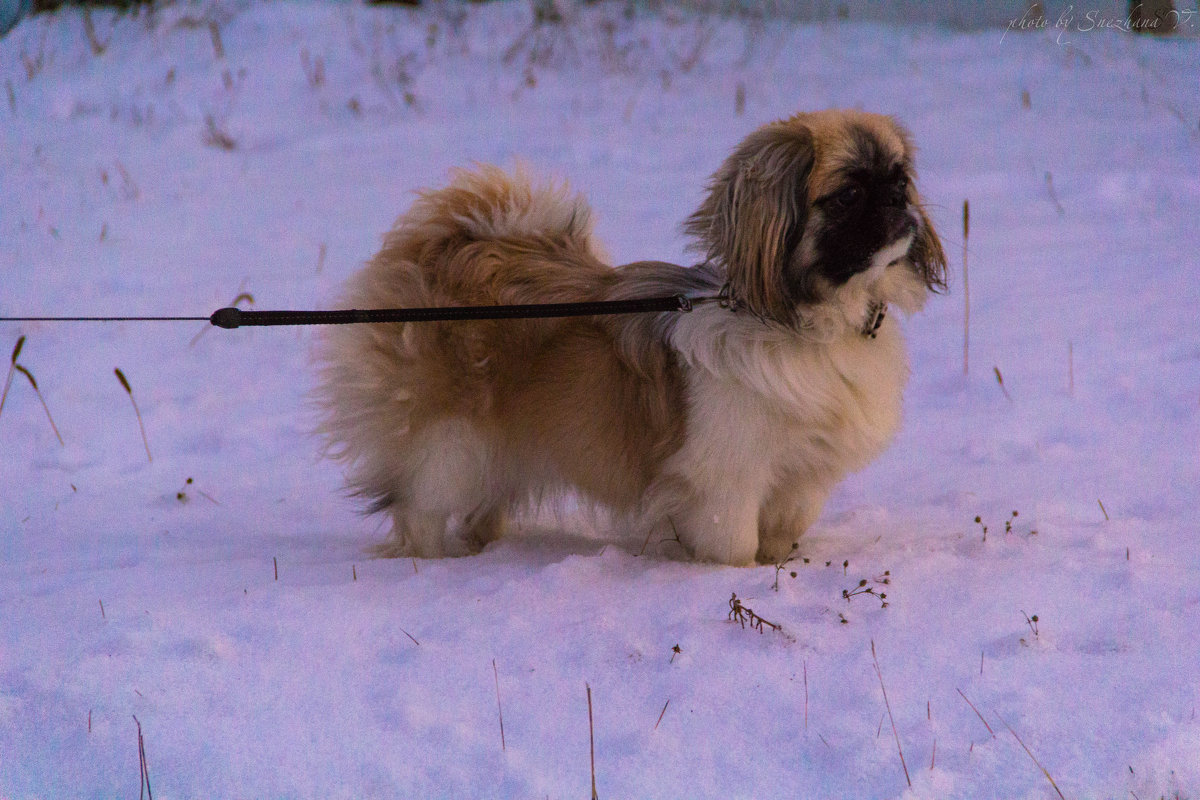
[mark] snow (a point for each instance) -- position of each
(347, 676)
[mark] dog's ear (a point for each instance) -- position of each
(754, 215)
(927, 255)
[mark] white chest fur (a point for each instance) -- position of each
(774, 422)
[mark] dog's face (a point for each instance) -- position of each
(806, 205)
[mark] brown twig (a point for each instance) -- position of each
(215, 136)
(38, 392)
(137, 411)
(743, 614)
(144, 791)
(1000, 380)
(966, 288)
(1032, 757)
(89, 28)
(214, 35)
(12, 368)
(888, 706)
(976, 710)
(806, 695)
(499, 708)
(660, 716)
(592, 741)
(1053, 195)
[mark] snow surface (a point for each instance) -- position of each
(346, 676)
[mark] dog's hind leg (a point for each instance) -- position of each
(417, 533)
(441, 505)
(483, 526)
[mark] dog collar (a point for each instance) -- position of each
(876, 312)
(875, 315)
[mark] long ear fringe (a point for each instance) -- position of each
(756, 203)
(927, 255)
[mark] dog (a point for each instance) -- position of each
(726, 427)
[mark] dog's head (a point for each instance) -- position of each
(807, 205)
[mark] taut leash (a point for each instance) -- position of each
(232, 317)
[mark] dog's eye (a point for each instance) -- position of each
(846, 198)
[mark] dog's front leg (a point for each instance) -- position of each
(721, 526)
(790, 509)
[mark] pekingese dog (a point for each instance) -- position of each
(727, 426)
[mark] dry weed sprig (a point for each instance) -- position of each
(662, 713)
(129, 188)
(12, 368)
(864, 587)
(137, 411)
(33, 382)
(89, 28)
(976, 710)
(1000, 380)
(703, 37)
(966, 221)
(743, 614)
(34, 65)
(499, 708)
(1032, 757)
(1053, 194)
(592, 741)
(806, 694)
(144, 791)
(182, 495)
(215, 136)
(888, 706)
(982, 526)
(1032, 622)
(314, 69)
(780, 566)
(214, 35)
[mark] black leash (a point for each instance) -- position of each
(230, 318)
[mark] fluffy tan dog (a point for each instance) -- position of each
(728, 425)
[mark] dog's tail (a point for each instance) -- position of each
(492, 237)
